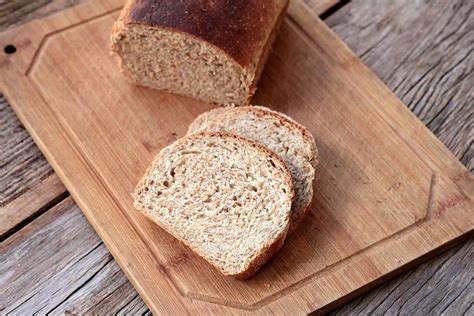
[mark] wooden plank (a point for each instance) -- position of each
(297, 13)
(30, 204)
(424, 53)
(441, 286)
(59, 258)
(22, 164)
(14, 12)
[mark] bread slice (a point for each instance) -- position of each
(210, 50)
(291, 141)
(226, 197)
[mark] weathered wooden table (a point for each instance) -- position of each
(53, 261)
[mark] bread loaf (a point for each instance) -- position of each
(224, 196)
(210, 50)
(291, 141)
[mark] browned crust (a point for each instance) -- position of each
(270, 249)
(265, 53)
(296, 220)
(237, 27)
(299, 219)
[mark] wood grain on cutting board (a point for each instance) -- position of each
(387, 191)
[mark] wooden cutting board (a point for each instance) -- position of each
(387, 192)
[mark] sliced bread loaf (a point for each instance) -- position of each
(210, 50)
(226, 197)
(291, 141)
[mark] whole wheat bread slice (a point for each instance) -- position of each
(291, 141)
(226, 197)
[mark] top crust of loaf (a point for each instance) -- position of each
(240, 28)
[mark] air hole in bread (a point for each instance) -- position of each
(191, 152)
(272, 163)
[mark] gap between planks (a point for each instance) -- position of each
(30, 205)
